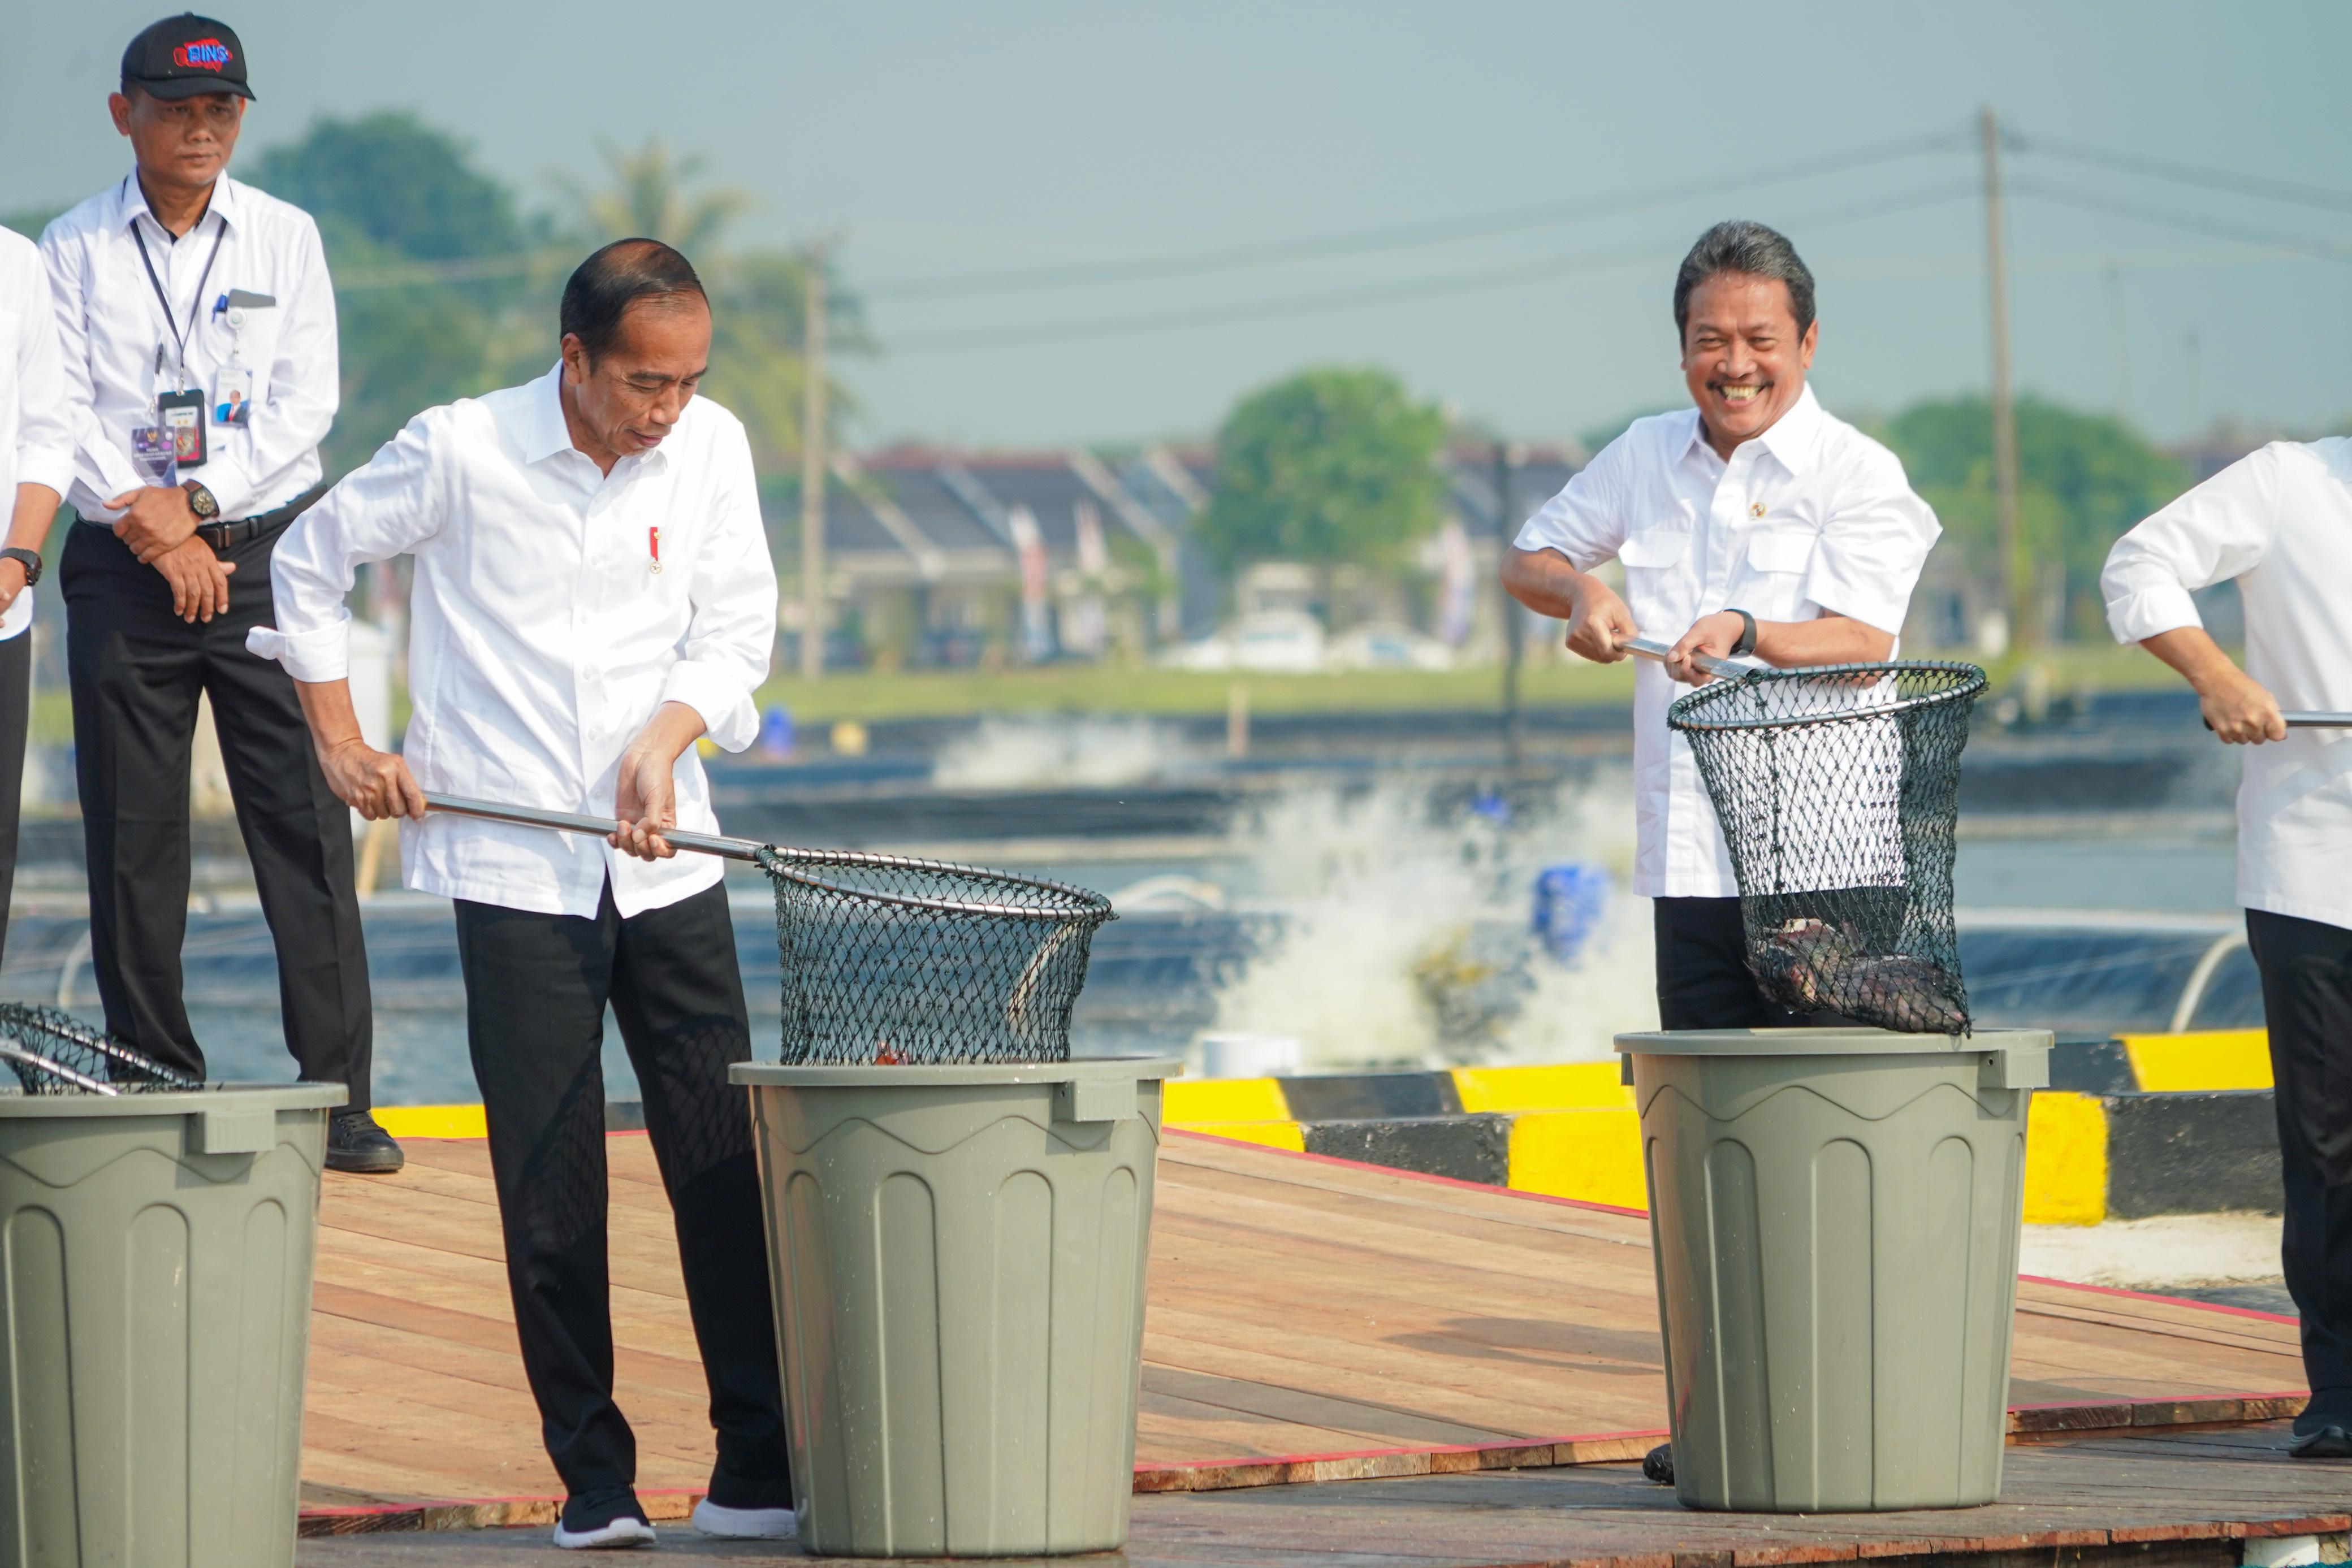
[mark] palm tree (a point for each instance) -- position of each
(653, 193)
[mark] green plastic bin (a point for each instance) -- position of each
(155, 1263)
(958, 1254)
(1835, 1215)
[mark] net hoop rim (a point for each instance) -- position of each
(1967, 690)
(1089, 906)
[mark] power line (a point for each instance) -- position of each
(2192, 222)
(2187, 173)
(1324, 300)
(1431, 232)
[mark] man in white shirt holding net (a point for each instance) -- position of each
(592, 595)
(2278, 523)
(1752, 523)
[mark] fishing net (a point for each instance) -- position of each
(891, 960)
(54, 1052)
(1838, 789)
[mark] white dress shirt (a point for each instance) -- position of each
(541, 637)
(2280, 521)
(36, 433)
(1812, 517)
(111, 324)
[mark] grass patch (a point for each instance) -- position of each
(1103, 689)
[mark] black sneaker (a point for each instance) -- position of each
(741, 1509)
(602, 1520)
(355, 1142)
(1658, 1465)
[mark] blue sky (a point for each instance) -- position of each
(943, 140)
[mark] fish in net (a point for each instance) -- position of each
(888, 960)
(1838, 789)
(53, 1052)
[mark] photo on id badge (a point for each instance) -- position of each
(182, 413)
(233, 397)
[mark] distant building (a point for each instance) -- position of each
(938, 557)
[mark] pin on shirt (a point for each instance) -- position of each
(653, 548)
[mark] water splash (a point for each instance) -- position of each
(1060, 753)
(1406, 934)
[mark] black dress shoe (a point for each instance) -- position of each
(1658, 1464)
(355, 1142)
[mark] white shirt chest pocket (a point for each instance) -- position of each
(1773, 570)
(1659, 584)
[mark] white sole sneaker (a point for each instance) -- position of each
(745, 1523)
(621, 1533)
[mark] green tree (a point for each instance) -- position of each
(1333, 467)
(402, 209)
(2082, 480)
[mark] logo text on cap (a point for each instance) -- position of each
(202, 54)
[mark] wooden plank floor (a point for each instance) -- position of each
(2182, 1499)
(1297, 1307)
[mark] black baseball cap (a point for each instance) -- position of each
(183, 55)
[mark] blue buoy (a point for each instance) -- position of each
(776, 732)
(1571, 902)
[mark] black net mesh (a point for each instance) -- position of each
(54, 1052)
(1838, 791)
(891, 960)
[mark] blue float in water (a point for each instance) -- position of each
(1571, 902)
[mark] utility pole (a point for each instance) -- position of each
(813, 466)
(2016, 581)
(1514, 645)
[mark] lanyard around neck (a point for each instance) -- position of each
(179, 333)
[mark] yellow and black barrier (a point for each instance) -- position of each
(2133, 1126)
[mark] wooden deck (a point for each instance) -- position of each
(1310, 1320)
(2178, 1500)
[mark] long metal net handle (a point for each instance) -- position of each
(777, 860)
(1729, 669)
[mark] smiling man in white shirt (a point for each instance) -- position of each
(2278, 523)
(1751, 523)
(197, 326)
(592, 594)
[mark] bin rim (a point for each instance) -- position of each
(839, 1076)
(1836, 1042)
(174, 1101)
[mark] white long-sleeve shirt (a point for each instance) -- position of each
(36, 433)
(541, 637)
(111, 324)
(2280, 522)
(1810, 517)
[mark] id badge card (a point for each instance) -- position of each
(154, 449)
(182, 413)
(233, 397)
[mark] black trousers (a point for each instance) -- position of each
(536, 990)
(2306, 968)
(1703, 981)
(16, 713)
(137, 670)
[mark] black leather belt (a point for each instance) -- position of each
(225, 536)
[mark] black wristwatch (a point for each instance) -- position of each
(201, 502)
(1747, 644)
(30, 560)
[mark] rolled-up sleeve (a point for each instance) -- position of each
(1586, 521)
(2217, 531)
(45, 432)
(377, 512)
(733, 592)
(1873, 545)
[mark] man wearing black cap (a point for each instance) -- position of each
(198, 334)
